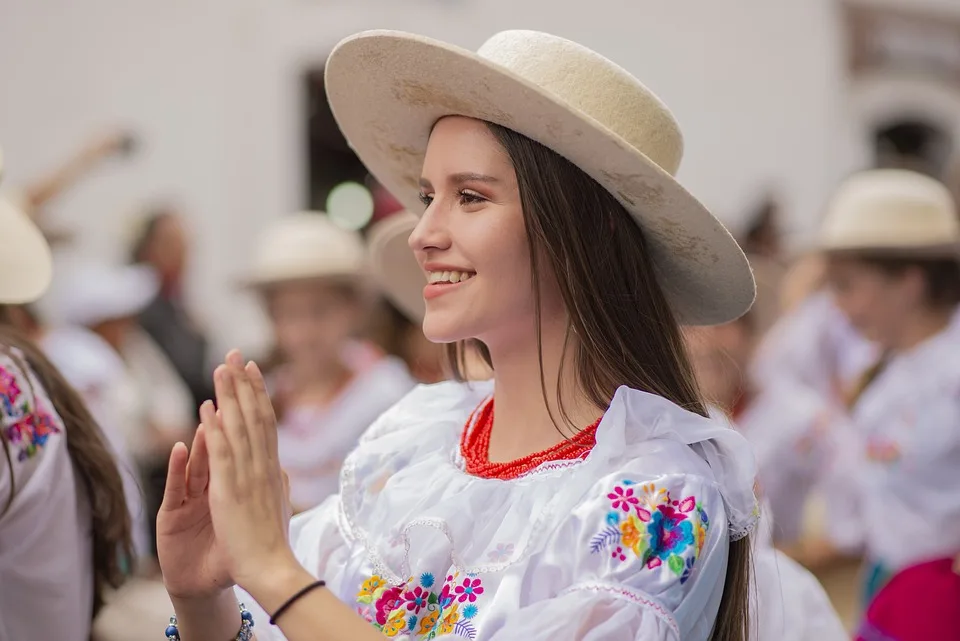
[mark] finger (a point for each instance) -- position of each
(175, 490)
(220, 454)
(231, 421)
(252, 418)
(198, 468)
(266, 409)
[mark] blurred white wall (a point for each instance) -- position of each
(213, 87)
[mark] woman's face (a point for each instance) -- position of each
(877, 303)
(472, 243)
(311, 321)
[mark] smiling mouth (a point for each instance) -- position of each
(446, 278)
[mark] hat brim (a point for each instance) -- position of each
(388, 89)
(394, 267)
(26, 263)
(934, 251)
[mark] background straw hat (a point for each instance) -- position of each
(26, 265)
(304, 246)
(393, 265)
(892, 211)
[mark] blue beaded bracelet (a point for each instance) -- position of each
(245, 633)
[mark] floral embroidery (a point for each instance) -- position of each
(415, 609)
(501, 553)
(656, 529)
(29, 428)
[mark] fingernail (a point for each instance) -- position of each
(235, 358)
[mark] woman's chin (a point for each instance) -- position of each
(442, 330)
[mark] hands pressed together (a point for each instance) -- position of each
(225, 514)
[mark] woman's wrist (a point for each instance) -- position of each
(272, 589)
(202, 618)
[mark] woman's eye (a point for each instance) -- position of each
(426, 199)
(469, 197)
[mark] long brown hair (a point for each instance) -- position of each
(92, 459)
(625, 332)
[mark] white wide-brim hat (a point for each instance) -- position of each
(87, 294)
(891, 212)
(387, 90)
(305, 246)
(26, 264)
(393, 265)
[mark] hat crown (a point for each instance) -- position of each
(595, 86)
(306, 245)
(890, 209)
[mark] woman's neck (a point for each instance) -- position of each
(522, 421)
(318, 385)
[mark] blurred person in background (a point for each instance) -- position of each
(139, 393)
(327, 384)
(786, 422)
(162, 243)
(892, 244)
(64, 527)
(401, 280)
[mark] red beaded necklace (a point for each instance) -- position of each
(475, 448)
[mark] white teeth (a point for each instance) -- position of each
(449, 277)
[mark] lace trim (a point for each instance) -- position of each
(626, 594)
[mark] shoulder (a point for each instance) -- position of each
(440, 406)
(656, 535)
(27, 416)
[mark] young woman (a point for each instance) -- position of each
(582, 493)
(64, 526)
(892, 241)
(327, 384)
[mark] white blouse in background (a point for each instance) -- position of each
(909, 424)
(629, 543)
(803, 443)
(816, 346)
(46, 557)
(314, 441)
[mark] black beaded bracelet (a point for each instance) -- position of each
(296, 597)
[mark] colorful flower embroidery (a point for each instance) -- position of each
(656, 529)
(415, 609)
(29, 428)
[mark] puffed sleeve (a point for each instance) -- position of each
(649, 559)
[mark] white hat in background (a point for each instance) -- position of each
(892, 212)
(393, 265)
(88, 294)
(26, 264)
(305, 246)
(388, 89)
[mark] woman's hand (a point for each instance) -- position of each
(193, 562)
(248, 505)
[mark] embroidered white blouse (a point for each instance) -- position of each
(909, 423)
(46, 556)
(630, 542)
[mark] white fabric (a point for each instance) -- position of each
(315, 441)
(629, 543)
(166, 400)
(88, 294)
(93, 368)
(787, 603)
(909, 419)
(815, 345)
(791, 428)
(46, 557)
